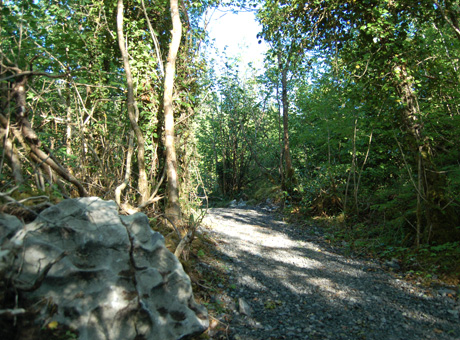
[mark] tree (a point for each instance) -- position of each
(287, 48)
(173, 210)
(237, 133)
(75, 99)
(379, 47)
(133, 118)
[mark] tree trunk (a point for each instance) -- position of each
(289, 173)
(68, 139)
(280, 140)
(12, 154)
(129, 157)
(143, 184)
(441, 220)
(173, 211)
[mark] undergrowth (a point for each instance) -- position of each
(428, 263)
(208, 275)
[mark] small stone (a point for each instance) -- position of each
(447, 292)
(393, 264)
(244, 307)
(254, 324)
(454, 313)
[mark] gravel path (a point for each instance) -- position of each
(287, 283)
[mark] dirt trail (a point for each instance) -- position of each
(289, 284)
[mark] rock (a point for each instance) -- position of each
(244, 307)
(116, 279)
(233, 204)
(447, 292)
(392, 264)
(454, 313)
(9, 225)
(241, 203)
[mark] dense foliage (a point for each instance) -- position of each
(355, 117)
(373, 98)
(69, 125)
(384, 108)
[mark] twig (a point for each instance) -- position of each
(12, 312)
(152, 198)
(11, 200)
(155, 40)
(201, 285)
(172, 223)
(183, 243)
(34, 73)
(29, 199)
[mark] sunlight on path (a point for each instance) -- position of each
(290, 278)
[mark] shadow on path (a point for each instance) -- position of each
(299, 289)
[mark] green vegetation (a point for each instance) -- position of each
(372, 91)
(354, 121)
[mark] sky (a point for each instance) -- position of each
(237, 34)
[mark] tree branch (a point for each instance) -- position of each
(34, 73)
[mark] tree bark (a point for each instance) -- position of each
(440, 219)
(143, 185)
(129, 157)
(289, 176)
(12, 154)
(173, 210)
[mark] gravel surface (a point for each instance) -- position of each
(286, 282)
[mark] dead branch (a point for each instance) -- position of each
(152, 198)
(11, 313)
(34, 73)
(184, 242)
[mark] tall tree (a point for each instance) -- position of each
(283, 69)
(287, 53)
(173, 209)
(132, 115)
(380, 43)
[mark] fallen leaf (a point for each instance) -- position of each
(213, 324)
(53, 325)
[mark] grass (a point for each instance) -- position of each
(430, 264)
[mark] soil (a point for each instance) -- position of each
(287, 282)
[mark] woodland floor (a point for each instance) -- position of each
(287, 282)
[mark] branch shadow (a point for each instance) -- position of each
(300, 289)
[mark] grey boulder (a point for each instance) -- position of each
(108, 276)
